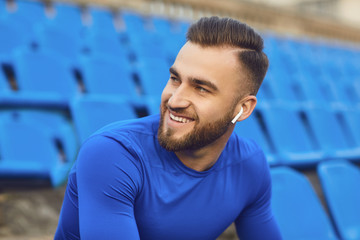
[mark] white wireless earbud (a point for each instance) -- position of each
(237, 116)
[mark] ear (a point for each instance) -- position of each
(248, 104)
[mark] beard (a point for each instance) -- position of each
(199, 137)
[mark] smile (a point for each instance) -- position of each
(179, 119)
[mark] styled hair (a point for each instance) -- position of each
(215, 31)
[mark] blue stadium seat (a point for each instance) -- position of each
(352, 120)
(251, 128)
(332, 133)
(102, 21)
(68, 17)
(103, 74)
(162, 25)
(106, 44)
(292, 139)
(56, 39)
(32, 146)
(297, 208)
(153, 74)
(43, 78)
(340, 181)
(11, 38)
(3, 8)
(90, 113)
(133, 21)
(32, 11)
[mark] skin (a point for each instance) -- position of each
(203, 88)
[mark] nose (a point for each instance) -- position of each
(179, 98)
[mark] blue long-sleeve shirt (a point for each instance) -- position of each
(126, 186)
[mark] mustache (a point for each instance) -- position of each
(182, 111)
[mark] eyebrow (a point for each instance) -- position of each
(196, 80)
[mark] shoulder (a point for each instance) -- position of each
(245, 150)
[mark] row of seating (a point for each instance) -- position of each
(299, 211)
(303, 137)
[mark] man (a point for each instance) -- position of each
(183, 175)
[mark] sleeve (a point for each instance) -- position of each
(256, 221)
(109, 179)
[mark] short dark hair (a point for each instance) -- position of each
(215, 31)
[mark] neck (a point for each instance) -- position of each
(204, 158)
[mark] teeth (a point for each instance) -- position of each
(179, 119)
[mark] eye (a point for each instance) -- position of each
(174, 79)
(201, 89)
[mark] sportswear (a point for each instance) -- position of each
(124, 185)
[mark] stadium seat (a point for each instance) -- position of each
(102, 21)
(103, 74)
(90, 113)
(293, 141)
(53, 38)
(68, 17)
(297, 208)
(32, 11)
(251, 128)
(43, 78)
(34, 147)
(352, 119)
(106, 44)
(332, 133)
(11, 38)
(340, 181)
(153, 74)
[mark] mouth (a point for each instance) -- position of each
(180, 119)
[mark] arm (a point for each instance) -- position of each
(257, 222)
(108, 181)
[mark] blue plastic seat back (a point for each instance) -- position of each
(352, 118)
(68, 17)
(102, 20)
(162, 26)
(133, 21)
(44, 72)
(11, 37)
(105, 75)
(26, 146)
(287, 130)
(154, 74)
(340, 181)
(90, 113)
(297, 208)
(38, 143)
(53, 38)
(328, 130)
(33, 11)
(106, 44)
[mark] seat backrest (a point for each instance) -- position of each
(154, 75)
(327, 129)
(43, 72)
(102, 20)
(27, 142)
(11, 37)
(68, 17)
(56, 39)
(340, 181)
(106, 75)
(297, 208)
(90, 113)
(287, 129)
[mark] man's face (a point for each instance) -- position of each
(199, 100)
